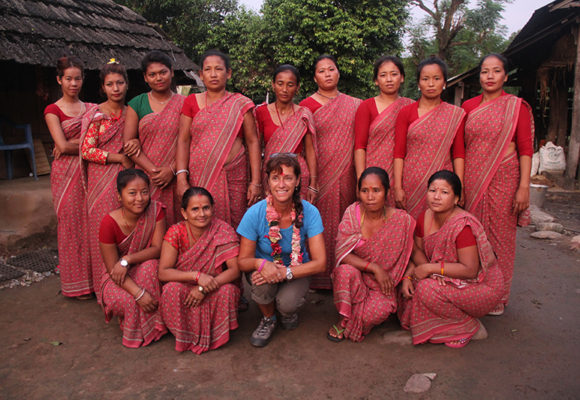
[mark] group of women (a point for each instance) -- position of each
(163, 203)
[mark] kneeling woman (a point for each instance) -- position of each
(199, 304)
(130, 240)
(456, 279)
(273, 248)
(373, 248)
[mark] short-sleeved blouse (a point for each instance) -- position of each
(191, 108)
(267, 127)
(364, 117)
(56, 110)
(464, 239)
(110, 232)
(140, 104)
(254, 226)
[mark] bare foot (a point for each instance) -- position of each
(498, 310)
(481, 332)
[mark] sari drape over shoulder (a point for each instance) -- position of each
(429, 141)
(207, 326)
(213, 132)
(68, 197)
(381, 142)
(286, 140)
(357, 294)
(492, 176)
(158, 134)
(100, 182)
(440, 314)
(334, 124)
(139, 328)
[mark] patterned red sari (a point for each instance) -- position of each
(287, 138)
(492, 177)
(357, 295)
(68, 197)
(381, 144)
(207, 326)
(334, 124)
(440, 314)
(101, 186)
(429, 141)
(213, 132)
(139, 328)
(158, 135)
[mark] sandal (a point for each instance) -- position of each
(498, 310)
(84, 297)
(336, 338)
(457, 344)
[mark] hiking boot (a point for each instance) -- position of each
(263, 332)
(289, 322)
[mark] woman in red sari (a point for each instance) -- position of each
(428, 135)
(103, 158)
(288, 128)
(374, 244)
(130, 241)
(210, 148)
(199, 261)
(151, 129)
(63, 119)
(375, 120)
(498, 157)
(334, 123)
(454, 278)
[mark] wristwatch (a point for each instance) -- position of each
(289, 274)
(200, 288)
(124, 263)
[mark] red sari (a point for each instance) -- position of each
(139, 328)
(213, 132)
(68, 197)
(207, 326)
(287, 138)
(101, 186)
(429, 140)
(334, 124)
(158, 135)
(381, 141)
(357, 295)
(440, 314)
(492, 177)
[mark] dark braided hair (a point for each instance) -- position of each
(275, 163)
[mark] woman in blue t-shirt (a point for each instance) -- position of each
(273, 247)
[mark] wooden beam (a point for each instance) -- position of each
(574, 146)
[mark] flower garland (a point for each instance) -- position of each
(273, 218)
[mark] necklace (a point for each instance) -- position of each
(273, 218)
(278, 114)
(125, 223)
(193, 238)
(160, 102)
(328, 97)
(362, 218)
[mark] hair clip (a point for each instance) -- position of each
(113, 61)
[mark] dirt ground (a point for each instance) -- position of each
(53, 347)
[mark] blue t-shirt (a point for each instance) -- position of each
(254, 226)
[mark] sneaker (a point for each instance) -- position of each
(289, 322)
(263, 332)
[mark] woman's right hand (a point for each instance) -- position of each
(407, 288)
(132, 147)
(194, 298)
(147, 303)
(118, 273)
(400, 198)
(182, 186)
(383, 279)
(126, 162)
(207, 282)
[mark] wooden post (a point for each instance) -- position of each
(574, 146)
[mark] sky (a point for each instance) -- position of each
(515, 15)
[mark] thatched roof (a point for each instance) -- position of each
(37, 32)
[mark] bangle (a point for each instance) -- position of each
(366, 266)
(179, 171)
(409, 277)
(262, 265)
(314, 190)
(140, 295)
(197, 276)
(442, 268)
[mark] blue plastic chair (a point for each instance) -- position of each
(8, 148)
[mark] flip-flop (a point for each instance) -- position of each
(459, 343)
(498, 310)
(335, 339)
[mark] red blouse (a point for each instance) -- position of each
(364, 117)
(54, 109)
(406, 117)
(464, 239)
(89, 149)
(191, 108)
(267, 127)
(110, 232)
(311, 104)
(177, 237)
(523, 136)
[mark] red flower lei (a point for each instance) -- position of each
(273, 218)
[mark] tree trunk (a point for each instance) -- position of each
(574, 147)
